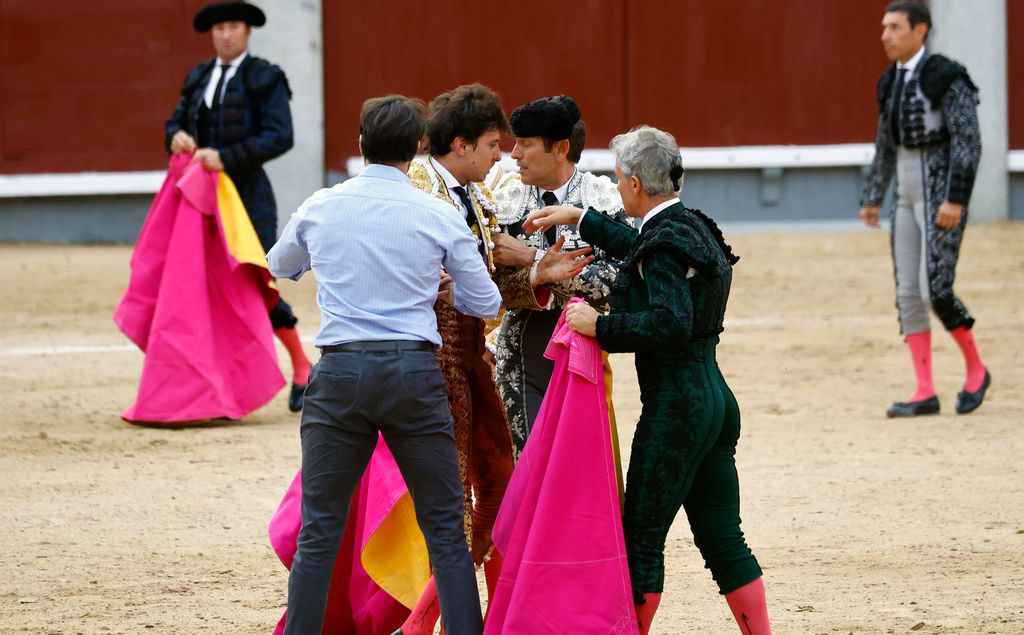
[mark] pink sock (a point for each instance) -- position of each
(492, 569)
(645, 612)
(425, 614)
(300, 363)
(750, 608)
(972, 360)
(921, 354)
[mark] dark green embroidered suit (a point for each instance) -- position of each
(667, 306)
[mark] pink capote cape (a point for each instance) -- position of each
(559, 527)
(382, 546)
(197, 303)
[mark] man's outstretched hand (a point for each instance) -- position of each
(552, 215)
(558, 265)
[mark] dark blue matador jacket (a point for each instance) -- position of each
(252, 125)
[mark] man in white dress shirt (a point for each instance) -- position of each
(376, 245)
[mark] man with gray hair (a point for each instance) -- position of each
(668, 307)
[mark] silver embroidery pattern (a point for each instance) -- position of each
(950, 164)
(515, 202)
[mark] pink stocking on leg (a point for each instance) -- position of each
(492, 569)
(645, 612)
(425, 614)
(750, 608)
(289, 336)
(975, 368)
(920, 345)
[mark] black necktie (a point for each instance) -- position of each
(218, 91)
(897, 100)
(464, 197)
(551, 233)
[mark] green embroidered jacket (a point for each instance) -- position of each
(672, 287)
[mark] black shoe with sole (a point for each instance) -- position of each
(295, 397)
(929, 406)
(969, 401)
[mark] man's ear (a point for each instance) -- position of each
(562, 147)
(360, 144)
(636, 184)
(921, 29)
(460, 146)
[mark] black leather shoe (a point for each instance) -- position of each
(969, 401)
(295, 397)
(929, 406)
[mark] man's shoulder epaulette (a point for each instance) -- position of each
(421, 177)
(261, 76)
(938, 73)
(510, 194)
(691, 236)
(599, 193)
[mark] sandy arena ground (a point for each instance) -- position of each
(862, 525)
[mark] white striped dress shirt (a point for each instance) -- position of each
(376, 245)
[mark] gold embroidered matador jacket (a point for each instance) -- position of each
(481, 433)
(516, 201)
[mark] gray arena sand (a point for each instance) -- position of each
(863, 525)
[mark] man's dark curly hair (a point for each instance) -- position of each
(468, 112)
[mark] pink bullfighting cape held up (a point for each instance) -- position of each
(197, 301)
(559, 528)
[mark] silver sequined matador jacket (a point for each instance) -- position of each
(515, 202)
(938, 116)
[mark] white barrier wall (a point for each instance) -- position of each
(975, 34)
(292, 39)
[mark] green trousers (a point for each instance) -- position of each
(683, 455)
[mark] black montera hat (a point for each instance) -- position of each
(550, 117)
(223, 11)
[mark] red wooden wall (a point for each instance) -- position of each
(524, 50)
(1015, 67)
(87, 85)
(713, 73)
(756, 72)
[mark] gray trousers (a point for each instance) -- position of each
(352, 395)
(537, 369)
(910, 243)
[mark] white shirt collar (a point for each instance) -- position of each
(912, 62)
(235, 62)
(230, 72)
(657, 210)
(451, 183)
(449, 180)
(562, 191)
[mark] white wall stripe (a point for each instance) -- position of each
(80, 184)
(727, 158)
(730, 158)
